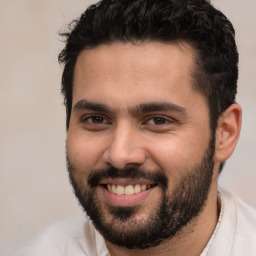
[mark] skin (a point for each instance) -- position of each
(122, 77)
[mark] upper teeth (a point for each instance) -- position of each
(127, 190)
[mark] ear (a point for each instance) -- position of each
(227, 133)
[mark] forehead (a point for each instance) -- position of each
(154, 58)
(129, 74)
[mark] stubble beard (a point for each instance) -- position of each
(164, 221)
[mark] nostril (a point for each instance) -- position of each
(132, 166)
(124, 147)
(122, 159)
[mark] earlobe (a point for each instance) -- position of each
(227, 133)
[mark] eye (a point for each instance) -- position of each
(158, 120)
(96, 120)
(159, 124)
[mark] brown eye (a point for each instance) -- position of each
(157, 120)
(95, 123)
(96, 120)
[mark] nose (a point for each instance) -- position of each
(125, 148)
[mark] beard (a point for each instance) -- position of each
(164, 221)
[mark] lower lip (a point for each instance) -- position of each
(126, 200)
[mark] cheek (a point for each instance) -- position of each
(178, 154)
(83, 151)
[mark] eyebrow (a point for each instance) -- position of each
(159, 106)
(137, 110)
(87, 105)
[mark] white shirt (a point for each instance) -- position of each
(234, 235)
(235, 232)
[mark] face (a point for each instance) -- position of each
(139, 146)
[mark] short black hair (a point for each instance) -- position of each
(196, 22)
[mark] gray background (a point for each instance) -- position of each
(34, 187)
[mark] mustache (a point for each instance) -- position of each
(156, 177)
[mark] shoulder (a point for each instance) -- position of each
(235, 233)
(241, 218)
(59, 238)
(245, 214)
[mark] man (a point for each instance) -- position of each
(149, 89)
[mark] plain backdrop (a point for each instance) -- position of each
(34, 186)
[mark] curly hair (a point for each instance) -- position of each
(196, 22)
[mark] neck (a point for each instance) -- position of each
(190, 241)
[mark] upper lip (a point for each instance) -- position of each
(125, 181)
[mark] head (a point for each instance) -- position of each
(112, 50)
(196, 22)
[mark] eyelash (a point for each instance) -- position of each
(86, 119)
(160, 118)
(105, 121)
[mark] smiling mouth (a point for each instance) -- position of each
(127, 190)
